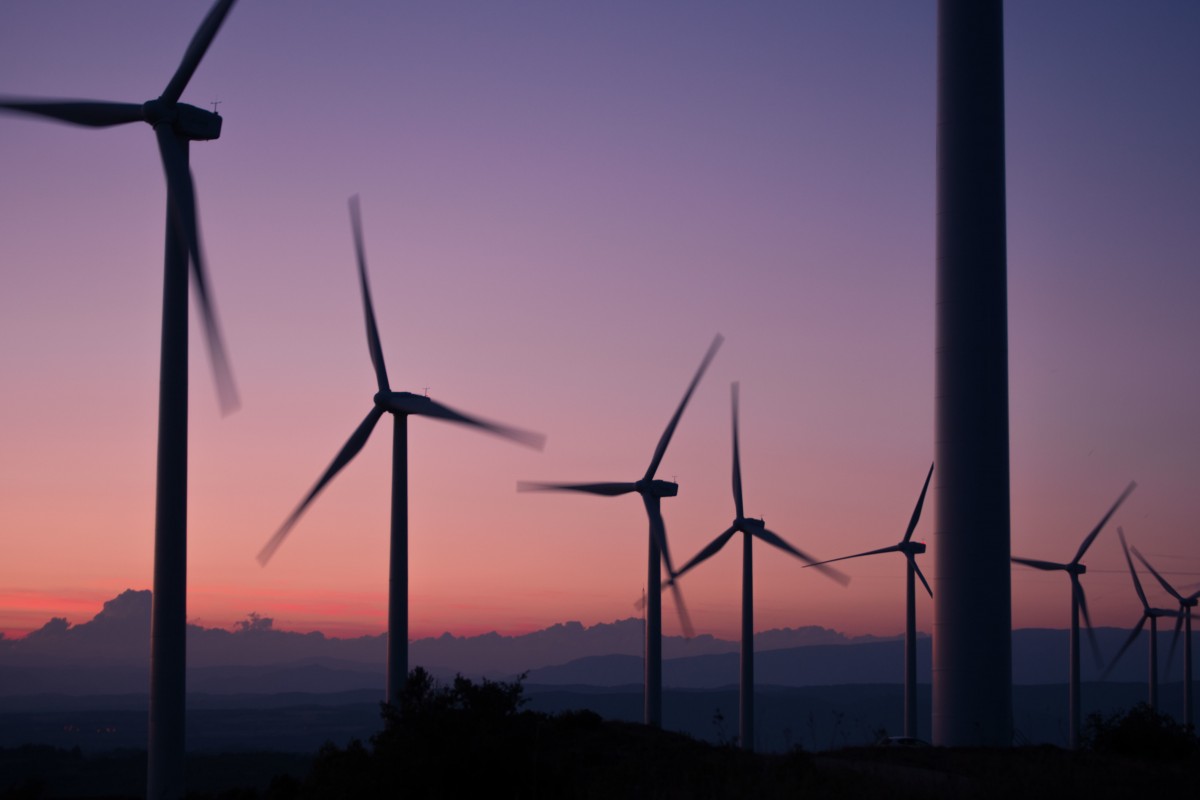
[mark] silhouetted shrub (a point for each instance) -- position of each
(1141, 732)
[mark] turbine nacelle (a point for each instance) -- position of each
(911, 548)
(403, 402)
(656, 488)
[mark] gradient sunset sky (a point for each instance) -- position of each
(563, 203)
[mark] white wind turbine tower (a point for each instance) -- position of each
(1148, 613)
(1186, 604)
(652, 491)
(749, 528)
(401, 405)
(911, 550)
(1074, 569)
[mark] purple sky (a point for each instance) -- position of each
(562, 204)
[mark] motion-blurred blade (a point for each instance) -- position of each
(438, 411)
(349, 450)
(1091, 537)
(181, 199)
(1137, 584)
(1081, 598)
(1161, 580)
(711, 549)
(658, 531)
(91, 113)
(892, 549)
(916, 515)
(368, 307)
(737, 458)
(685, 619)
(670, 431)
(1174, 643)
(1132, 636)
(773, 538)
(607, 489)
(920, 574)
(196, 50)
(1036, 564)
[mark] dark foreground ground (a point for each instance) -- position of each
(624, 760)
(466, 739)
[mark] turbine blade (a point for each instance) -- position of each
(916, 515)
(1137, 584)
(1132, 636)
(438, 411)
(1087, 619)
(893, 549)
(349, 450)
(1174, 642)
(658, 531)
(1036, 564)
(1091, 537)
(665, 440)
(368, 307)
(773, 538)
(90, 113)
(685, 620)
(606, 489)
(181, 199)
(737, 458)
(1162, 581)
(196, 50)
(711, 549)
(921, 575)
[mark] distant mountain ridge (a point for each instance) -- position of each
(110, 653)
(120, 633)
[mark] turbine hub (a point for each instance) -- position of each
(912, 548)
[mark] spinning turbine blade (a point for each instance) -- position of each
(658, 529)
(606, 489)
(892, 549)
(349, 450)
(1162, 581)
(1132, 636)
(438, 411)
(182, 201)
(916, 515)
(921, 575)
(1087, 618)
(196, 50)
(737, 458)
(670, 431)
(368, 307)
(711, 549)
(1137, 584)
(1174, 642)
(92, 113)
(1036, 564)
(773, 538)
(1091, 537)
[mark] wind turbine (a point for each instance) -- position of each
(749, 528)
(175, 125)
(1148, 613)
(1186, 604)
(652, 491)
(401, 405)
(911, 550)
(1078, 604)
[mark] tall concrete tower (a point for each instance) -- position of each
(972, 639)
